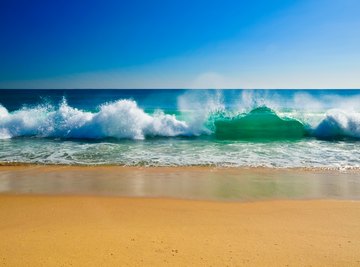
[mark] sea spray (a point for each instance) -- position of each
(197, 108)
(119, 119)
(124, 119)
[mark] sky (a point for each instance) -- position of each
(179, 44)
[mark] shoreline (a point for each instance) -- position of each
(201, 183)
(210, 166)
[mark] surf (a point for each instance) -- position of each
(260, 123)
(125, 119)
(121, 119)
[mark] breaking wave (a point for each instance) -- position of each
(124, 119)
(120, 119)
(260, 123)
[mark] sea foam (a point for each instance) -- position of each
(119, 119)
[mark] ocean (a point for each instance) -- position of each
(221, 128)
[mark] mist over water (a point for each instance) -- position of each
(273, 128)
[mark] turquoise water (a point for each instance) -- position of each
(235, 128)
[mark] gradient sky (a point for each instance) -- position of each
(180, 44)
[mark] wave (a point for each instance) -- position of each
(259, 123)
(339, 124)
(124, 119)
(265, 123)
(120, 119)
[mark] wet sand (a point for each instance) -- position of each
(203, 183)
(120, 216)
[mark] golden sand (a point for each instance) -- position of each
(112, 231)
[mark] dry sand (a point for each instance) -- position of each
(114, 231)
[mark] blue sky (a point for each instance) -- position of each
(180, 44)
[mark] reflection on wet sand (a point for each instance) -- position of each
(181, 182)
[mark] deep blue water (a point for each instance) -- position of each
(147, 98)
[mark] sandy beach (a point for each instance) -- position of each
(80, 216)
(105, 231)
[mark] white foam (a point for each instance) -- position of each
(339, 123)
(120, 119)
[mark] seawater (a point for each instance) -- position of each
(229, 128)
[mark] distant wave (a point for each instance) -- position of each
(123, 119)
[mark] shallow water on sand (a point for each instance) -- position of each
(181, 182)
